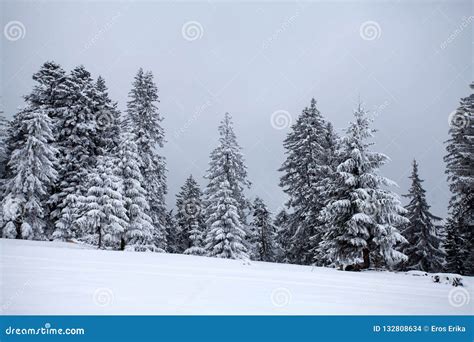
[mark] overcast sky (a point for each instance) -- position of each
(410, 63)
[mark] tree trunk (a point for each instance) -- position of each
(100, 238)
(366, 255)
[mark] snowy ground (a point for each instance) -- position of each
(64, 278)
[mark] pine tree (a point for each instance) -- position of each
(424, 240)
(224, 197)
(309, 148)
(284, 234)
(3, 164)
(102, 213)
(190, 218)
(3, 147)
(143, 119)
(107, 117)
(138, 233)
(46, 97)
(32, 168)
(265, 242)
(172, 233)
(75, 137)
(459, 168)
(48, 92)
(362, 216)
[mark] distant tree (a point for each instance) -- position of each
(423, 234)
(284, 234)
(265, 240)
(172, 233)
(190, 218)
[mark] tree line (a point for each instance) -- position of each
(74, 168)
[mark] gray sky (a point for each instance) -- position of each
(409, 61)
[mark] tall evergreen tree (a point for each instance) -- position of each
(3, 147)
(47, 91)
(138, 233)
(227, 176)
(362, 216)
(32, 168)
(45, 96)
(101, 212)
(75, 137)
(424, 239)
(143, 119)
(309, 148)
(107, 117)
(460, 170)
(265, 237)
(190, 218)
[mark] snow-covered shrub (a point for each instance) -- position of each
(447, 278)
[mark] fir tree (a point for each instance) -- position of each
(190, 218)
(107, 118)
(224, 197)
(102, 213)
(143, 119)
(3, 147)
(32, 168)
(459, 168)
(265, 238)
(309, 148)
(424, 241)
(45, 96)
(138, 233)
(284, 234)
(75, 137)
(48, 91)
(172, 233)
(362, 216)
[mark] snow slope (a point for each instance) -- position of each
(64, 278)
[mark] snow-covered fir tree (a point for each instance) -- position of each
(102, 215)
(3, 147)
(47, 91)
(32, 166)
(75, 138)
(284, 235)
(362, 216)
(172, 233)
(144, 121)
(422, 232)
(460, 170)
(107, 118)
(138, 233)
(309, 149)
(190, 218)
(265, 238)
(224, 197)
(46, 95)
